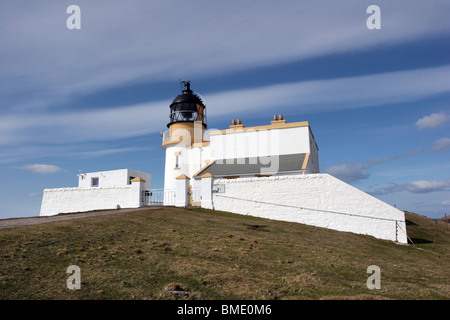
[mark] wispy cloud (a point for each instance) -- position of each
(349, 172)
(433, 120)
(41, 168)
(352, 172)
(441, 145)
(34, 194)
(335, 94)
(407, 154)
(105, 152)
(421, 186)
(145, 118)
(153, 41)
(81, 126)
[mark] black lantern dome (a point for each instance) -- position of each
(187, 107)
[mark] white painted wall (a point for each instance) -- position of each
(170, 169)
(114, 190)
(314, 199)
(255, 143)
(263, 143)
(190, 161)
(197, 158)
(113, 178)
(65, 200)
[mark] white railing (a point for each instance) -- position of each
(165, 135)
(154, 197)
(167, 197)
(159, 197)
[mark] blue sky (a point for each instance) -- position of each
(93, 99)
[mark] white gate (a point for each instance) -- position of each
(169, 197)
(159, 197)
(154, 197)
(196, 196)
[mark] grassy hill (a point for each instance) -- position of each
(153, 254)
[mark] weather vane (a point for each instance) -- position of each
(187, 86)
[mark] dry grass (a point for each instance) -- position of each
(215, 255)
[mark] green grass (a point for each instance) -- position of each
(142, 254)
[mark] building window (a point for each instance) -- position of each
(94, 182)
(176, 162)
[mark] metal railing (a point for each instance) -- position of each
(159, 197)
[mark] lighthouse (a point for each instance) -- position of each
(187, 149)
(280, 148)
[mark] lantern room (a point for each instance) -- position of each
(187, 107)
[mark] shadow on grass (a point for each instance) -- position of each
(410, 223)
(419, 241)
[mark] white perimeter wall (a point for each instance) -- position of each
(314, 199)
(64, 200)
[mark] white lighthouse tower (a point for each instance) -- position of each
(187, 151)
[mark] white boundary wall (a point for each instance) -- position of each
(314, 199)
(65, 200)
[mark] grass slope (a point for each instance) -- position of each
(217, 255)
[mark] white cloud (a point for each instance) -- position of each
(425, 186)
(41, 168)
(441, 145)
(433, 120)
(445, 203)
